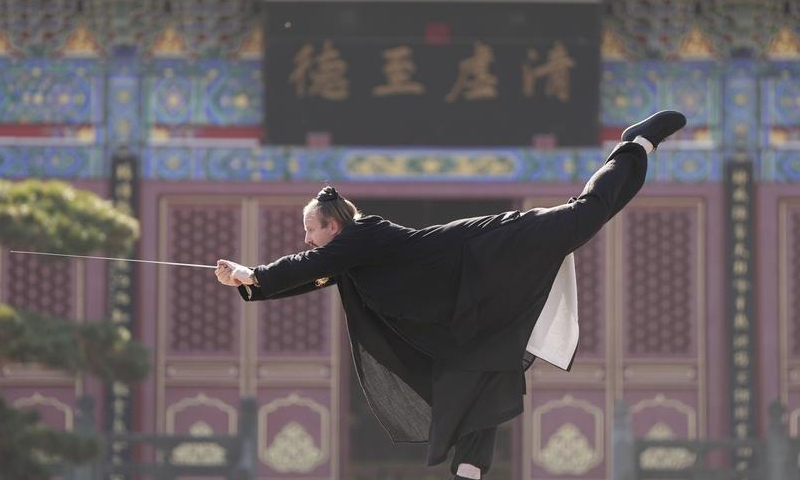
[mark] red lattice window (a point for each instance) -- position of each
(660, 264)
(203, 316)
(38, 284)
(589, 266)
(793, 246)
(294, 325)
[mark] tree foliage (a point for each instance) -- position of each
(53, 216)
(27, 446)
(100, 348)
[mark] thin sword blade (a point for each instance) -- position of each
(176, 264)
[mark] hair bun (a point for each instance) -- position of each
(327, 194)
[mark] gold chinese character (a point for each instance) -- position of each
(740, 302)
(740, 321)
(741, 413)
(474, 78)
(325, 73)
(741, 359)
(120, 281)
(740, 194)
(124, 171)
(123, 190)
(124, 207)
(741, 395)
(302, 65)
(556, 69)
(120, 389)
(741, 285)
(122, 298)
(744, 451)
(740, 267)
(121, 266)
(741, 341)
(739, 212)
(741, 251)
(398, 70)
(328, 80)
(739, 231)
(119, 316)
(740, 177)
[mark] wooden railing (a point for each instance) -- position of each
(772, 458)
(240, 460)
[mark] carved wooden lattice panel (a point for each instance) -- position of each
(203, 315)
(788, 328)
(53, 404)
(590, 269)
(661, 307)
(793, 276)
(39, 284)
(201, 412)
(47, 286)
(660, 264)
(298, 385)
(53, 287)
(294, 325)
(566, 433)
(199, 370)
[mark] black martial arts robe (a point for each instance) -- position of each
(439, 317)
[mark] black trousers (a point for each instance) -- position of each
(476, 448)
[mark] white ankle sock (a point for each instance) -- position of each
(469, 471)
(648, 147)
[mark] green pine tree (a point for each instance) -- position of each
(55, 217)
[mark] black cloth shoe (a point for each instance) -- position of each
(656, 127)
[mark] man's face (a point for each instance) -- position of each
(316, 234)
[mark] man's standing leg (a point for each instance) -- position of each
(474, 453)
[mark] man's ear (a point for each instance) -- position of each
(334, 225)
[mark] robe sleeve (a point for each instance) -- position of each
(252, 293)
(349, 249)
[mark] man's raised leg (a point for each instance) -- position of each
(622, 175)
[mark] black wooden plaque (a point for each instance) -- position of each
(431, 74)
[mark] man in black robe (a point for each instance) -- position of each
(440, 318)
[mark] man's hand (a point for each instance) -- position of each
(233, 274)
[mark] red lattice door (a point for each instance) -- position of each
(214, 348)
(778, 287)
(200, 359)
(68, 289)
(651, 321)
(295, 345)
